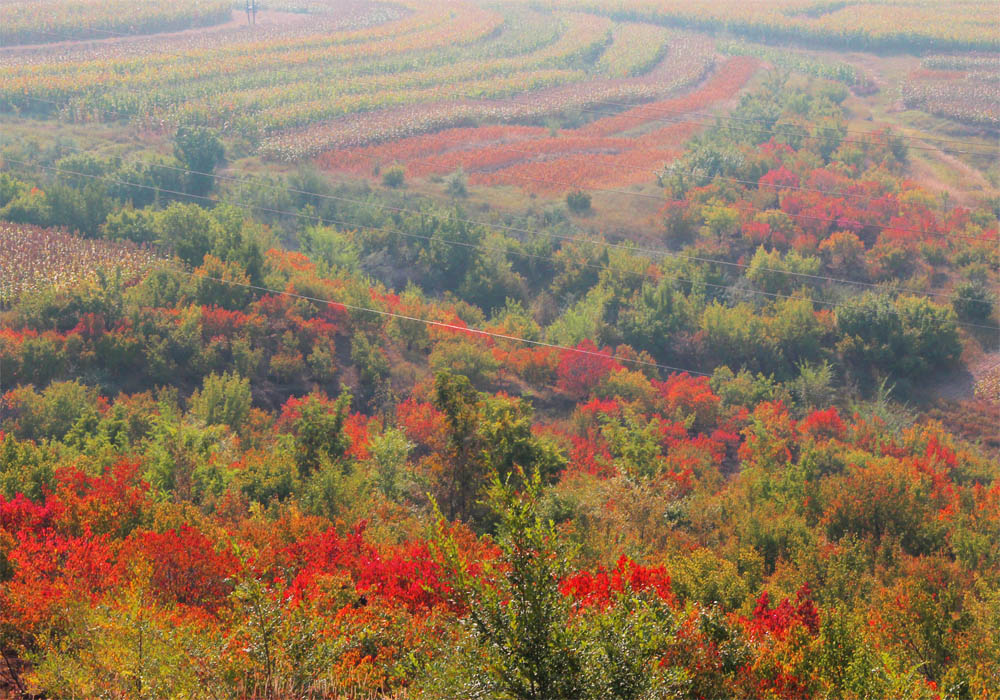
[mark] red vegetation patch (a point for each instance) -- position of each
(600, 588)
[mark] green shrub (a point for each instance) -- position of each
(973, 301)
(578, 202)
(394, 176)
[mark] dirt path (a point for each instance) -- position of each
(968, 195)
(960, 384)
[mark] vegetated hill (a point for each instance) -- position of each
(363, 431)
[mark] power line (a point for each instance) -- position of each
(341, 222)
(841, 221)
(626, 168)
(650, 196)
(430, 239)
(449, 326)
(511, 146)
(655, 251)
(600, 114)
(862, 132)
(539, 343)
(721, 177)
(319, 219)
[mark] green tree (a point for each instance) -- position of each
(389, 452)
(200, 150)
(456, 186)
(578, 202)
(319, 431)
(83, 208)
(394, 177)
(130, 224)
(526, 639)
(188, 229)
(973, 301)
(721, 222)
(523, 646)
(659, 311)
(180, 460)
(126, 646)
(10, 188)
(458, 485)
(336, 249)
(905, 338)
(53, 412)
(813, 388)
(777, 274)
(372, 365)
(224, 399)
(486, 436)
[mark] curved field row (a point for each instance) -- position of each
(635, 48)
(730, 78)
(321, 93)
(531, 158)
(859, 24)
(361, 160)
(441, 65)
(800, 63)
(430, 29)
(36, 258)
(44, 21)
(686, 64)
(489, 89)
(271, 26)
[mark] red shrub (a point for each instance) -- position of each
(825, 425)
(187, 566)
(579, 372)
(779, 619)
(598, 589)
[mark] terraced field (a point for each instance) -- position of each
(46, 21)
(603, 153)
(329, 77)
(304, 84)
(856, 24)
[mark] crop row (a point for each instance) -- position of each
(635, 49)
(858, 24)
(36, 258)
(639, 157)
(990, 62)
(311, 97)
(429, 29)
(686, 64)
(584, 170)
(732, 76)
(972, 99)
(439, 53)
(831, 70)
(530, 157)
(46, 21)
